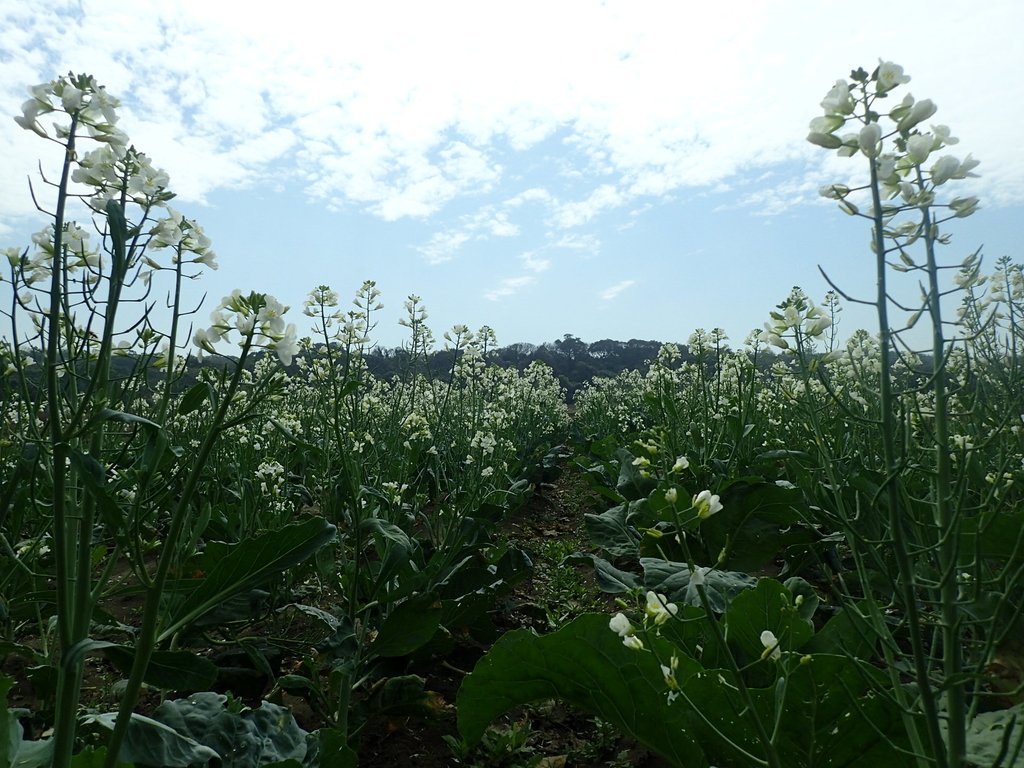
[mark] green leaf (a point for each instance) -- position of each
(586, 664)
(847, 633)
(334, 749)
(242, 737)
(673, 580)
(151, 742)
(997, 738)
(759, 519)
(408, 626)
(195, 397)
(94, 757)
(609, 578)
(169, 670)
(128, 418)
(612, 533)
(631, 484)
(249, 563)
(14, 752)
(769, 606)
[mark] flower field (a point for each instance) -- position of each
(236, 545)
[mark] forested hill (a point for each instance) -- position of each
(574, 361)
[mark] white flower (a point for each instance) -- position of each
(921, 111)
(204, 339)
(681, 464)
(659, 609)
(837, 101)
(919, 146)
(287, 346)
(771, 646)
(706, 504)
(948, 167)
(671, 495)
(633, 643)
(964, 206)
(868, 139)
(620, 625)
(889, 76)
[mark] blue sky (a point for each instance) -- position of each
(616, 169)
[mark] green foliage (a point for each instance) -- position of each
(825, 709)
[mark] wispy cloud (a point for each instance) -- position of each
(611, 292)
(534, 263)
(508, 286)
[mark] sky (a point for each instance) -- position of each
(603, 169)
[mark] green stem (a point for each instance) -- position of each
(906, 586)
(146, 639)
(945, 518)
(69, 676)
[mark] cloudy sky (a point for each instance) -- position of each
(607, 169)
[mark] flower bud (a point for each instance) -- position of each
(868, 139)
(922, 110)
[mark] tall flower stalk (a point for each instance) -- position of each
(905, 178)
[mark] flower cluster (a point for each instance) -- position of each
(259, 319)
(895, 164)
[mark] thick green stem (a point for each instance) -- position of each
(906, 586)
(945, 519)
(66, 532)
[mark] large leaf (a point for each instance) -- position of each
(611, 532)
(673, 580)
(826, 712)
(997, 738)
(586, 664)
(758, 520)
(242, 737)
(769, 606)
(169, 670)
(408, 626)
(248, 564)
(609, 578)
(631, 484)
(150, 742)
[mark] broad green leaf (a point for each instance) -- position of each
(673, 580)
(997, 738)
(150, 742)
(242, 737)
(334, 749)
(169, 670)
(609, 578)
(248, 564)
(612, 533)
(408, 626)
(631, 484)
(586, 664)
(759, 519)
(769, 606)
(848, 632)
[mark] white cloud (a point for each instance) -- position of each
(569, 215)
(443, 246)
(612, 291)
(533, 263)
(508, 286)
(395, 108)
